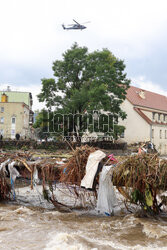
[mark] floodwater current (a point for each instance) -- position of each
(32, 227)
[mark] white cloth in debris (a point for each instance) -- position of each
(106, 200)
(13, 171)
(3, 165)
(91, 168)
(35, 176)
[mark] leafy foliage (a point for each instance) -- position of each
(85, 82)
(41, 124)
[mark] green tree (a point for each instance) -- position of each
(41, 124)
(86, 81)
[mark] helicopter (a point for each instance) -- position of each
(75, 26)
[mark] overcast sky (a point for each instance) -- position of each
(32, 38)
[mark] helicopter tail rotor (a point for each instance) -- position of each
(63, 26)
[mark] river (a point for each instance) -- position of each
(32, 227)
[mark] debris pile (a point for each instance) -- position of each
(22, 165)
(74, 169)
(4, 188)
(140, 178)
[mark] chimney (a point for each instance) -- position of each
(142, 94)
(4, 98)
(8, 88)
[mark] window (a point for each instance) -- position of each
(2, 109)
(1, 131)
(13, 120)
(152, 133)
(153, 116)
(165, 134)
(160, 134)
(159, 117)
(164, 118)
(122, 135)
(2, 120)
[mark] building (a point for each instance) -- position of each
(146, 118)
(16, 116)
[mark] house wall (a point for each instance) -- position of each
(148, 114)
(19, 124)
(159, 138)
(136, 128)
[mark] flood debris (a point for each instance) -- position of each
(74, 169)
(106, 200)
(5, 188)
(88, 177)
(141, 179)
(72, 174)
(91, 169)
(21, 166)
(81, 175)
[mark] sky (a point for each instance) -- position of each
(32, 38)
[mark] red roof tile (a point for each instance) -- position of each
(151, 100)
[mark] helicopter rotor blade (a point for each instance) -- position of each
(86, 22)
(76, 22)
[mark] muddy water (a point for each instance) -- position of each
(24, 227)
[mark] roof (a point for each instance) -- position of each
(150, 100)
(16, 96)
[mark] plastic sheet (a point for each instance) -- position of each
(35, 176)
(106, 195)
(3, 165)
(13, 171)
(91, 168)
